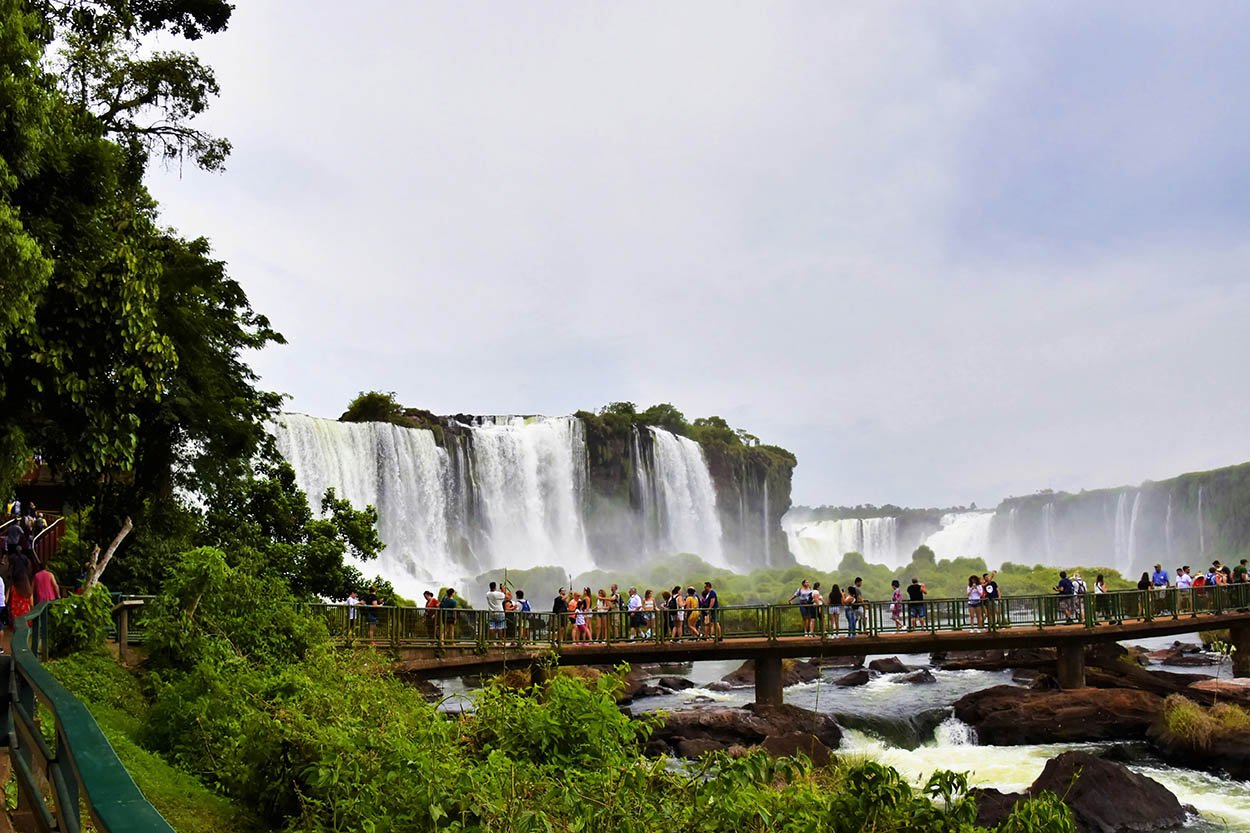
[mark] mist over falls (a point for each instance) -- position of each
(473, 494)
(1190, 519)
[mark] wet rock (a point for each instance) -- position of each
(793, 671)
(908, 732)
(674, 683)
(994, 659)
(839, 661)
(889, 665)
(749, 726)
(1236, 690)
(854, 678)
(1025, 676)
(1009, 715)
(919, 676)
(1175, 656)
(796, 743)
(1122, 674)
(719, 685)
(1105, 797)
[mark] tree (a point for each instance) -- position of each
(374, 406)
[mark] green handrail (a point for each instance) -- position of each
(83, 768)
(469, 629)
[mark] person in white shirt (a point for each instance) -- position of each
(495, 619)
(637, 622)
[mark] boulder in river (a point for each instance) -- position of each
(1105, 797)
(1009, 716)
(691, 732)
(909, 731)
(793, 671)
(853, 678)
(888, 665)
(920, 675)
(674, 683)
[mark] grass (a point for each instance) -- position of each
(1189, 724)
(114, 697)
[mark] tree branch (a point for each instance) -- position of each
(97, 569)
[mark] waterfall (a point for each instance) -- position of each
(508, 494)
(401, 471)
(880, 541)
(962, 534)
(1167, 528)
(1121, 532)
(1048, 531)
(821, 544)
(1127, 567)
(768, 538)
(528, 475)
(1202, 532)
(685, 497)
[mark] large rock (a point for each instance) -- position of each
(996, 659)
(854, 678)
(795, 743)
(692, 732)
(1108, 797)
(888, 665)
(908, 732)
(1105, 797)
(674, 683)
(1007, 715)
(839, 661)
(1236, 690)
(920, 675)
(793, 671)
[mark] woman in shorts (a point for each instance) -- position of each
(976, 613)
(835, 610)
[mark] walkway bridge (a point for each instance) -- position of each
(443, 644)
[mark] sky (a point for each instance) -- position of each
(944, 252)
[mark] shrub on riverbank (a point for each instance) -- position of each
(1185, 723)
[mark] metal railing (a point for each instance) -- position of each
(72, 768)
(48, 539)
(461, 628)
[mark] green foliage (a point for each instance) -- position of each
(79, 621)
(568, 724)
(374, 406)
(1044, 813)
(1187, 724)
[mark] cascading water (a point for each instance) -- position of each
(528, 477)
(1202, 533)
(401, 471)
(1126, 569)
(768, 529)
(1167, 529)
(1121, 533)
(962, 534)
(1048, 532)
(821, 544)
(685, 498)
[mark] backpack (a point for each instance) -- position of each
(1078, 586)
(525, 605)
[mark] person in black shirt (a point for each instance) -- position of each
(447, 605)
(916, 613)
(372, 602)
(990, 598)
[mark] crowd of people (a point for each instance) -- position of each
(25, 580)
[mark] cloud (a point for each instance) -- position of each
(944, 252)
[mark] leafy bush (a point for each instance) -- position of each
(80, 621)
(1186, 723)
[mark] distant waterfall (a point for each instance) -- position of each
(962, 534)
(1122, 534)
(821, 544)
(401, 471)
(684, 498)
(768, 529)
(1202, 528)
(1048, 532)
(1167, 529)
(1126, 569)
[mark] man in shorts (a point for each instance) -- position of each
(495, 619)
(709, 606)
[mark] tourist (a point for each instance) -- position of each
(510, 608)
(976, 595)
(804, 597)
(990, 598)
(1160, 577)
(854, 603)
(372, 602)
(1184, 583)
(916, 617)
(1241, 572)
(636, 620)
(559, 608)
(352, 602)
(1066, 595)
(676, 613)
(431, 614)
(896, 604)
(691, 603)
(1143, 599)
(495, 619)
(603, 612)
(818, 609)
(709, 605)
(581, 630)
(1100, 597)
(616, 607)
(835, 610)
(648, 613)
(45, 590)
(448, 606)
(525, 614)
(20, 589)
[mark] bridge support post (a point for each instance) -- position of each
(1071, 665)
(1239, 636)
(768, 680)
